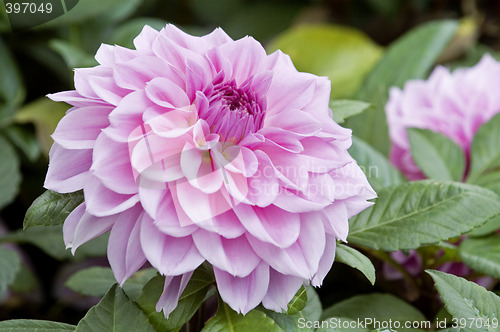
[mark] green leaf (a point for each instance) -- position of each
(259, 19)
(467, 300)
(11, 87)
(342, 53)
(313, 308)
(45, 115)
(489, 227)
(125, 33)
(489, 180)
(189, 302)
(50, 240)
(474, 54)
(227, 319)
(51, 208)
(96, 281)
(311, 312)
(417, 213)
(436, 155)
(10, 264)
(410, 57)
(378, 170)
(32, 325)
(353, 258)
(24, 140)
(72, 55)
(380, 307)
(485, 149)
(109, 11)
(298, 302)
(115, 312)
(25, 280)
(289, 323)
(10, 176)
(343, 109)
(482, 254)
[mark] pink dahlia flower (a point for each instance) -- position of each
(453, 104)
(192, 149)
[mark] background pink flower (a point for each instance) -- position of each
(454, 104)
(193, 149)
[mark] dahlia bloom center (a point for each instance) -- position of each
(234, 111)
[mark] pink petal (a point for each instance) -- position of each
(263, 186)
(106, 89)
(68, 169)
(279, 139)
(289, 91)
(102, 201)
(225, 224)
(217, 37)
(166, 93)
(269, 168)
(134, 74)
(176, 54)
(300, 259)
(198, 205)
(323, 87)
(241, 160)
(232, 255)
(197, 78)
(75, 99)
(126, 118)
(282, 289)
(172, 291)
(82, 80)
(236, 186)
(158, 203)
(326, 261)
(81, 227)
(173, 123)
(292, 201)
(335, 219)
(111, 164)
(145, 39)
(123, 54)
(125, 253)
(298, 122)
(105, 55)
(187, 41)
(169, 255)
(157, 158)
(288, 167)
(321, 156)
(246, 56)
(243, 294)
(270, 224)
(79, 129)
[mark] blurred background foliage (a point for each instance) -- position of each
(342, 39)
